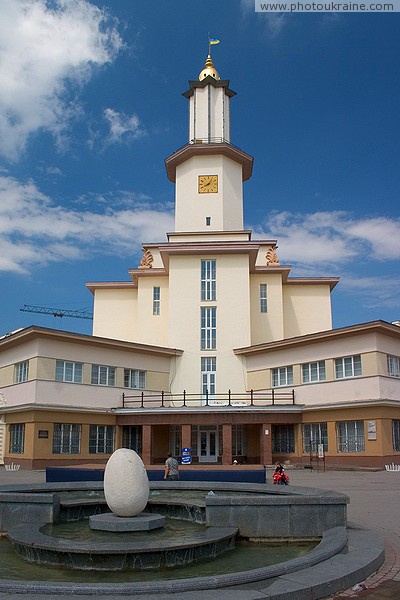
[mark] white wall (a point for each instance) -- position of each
(224, 207)
(233, 320)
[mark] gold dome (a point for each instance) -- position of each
(209, 69)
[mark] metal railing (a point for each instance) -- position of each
(185, 400)
(210, 140)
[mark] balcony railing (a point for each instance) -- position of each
(230, 399)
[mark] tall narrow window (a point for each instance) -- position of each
(393, 365)
(132, 437)
(21, 371)
(208, 280)
(263, 297)
(396, 434)
(17, 436)
(156, 300)
(208, 377)
(239, 440)
(208, 328)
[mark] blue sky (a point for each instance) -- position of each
(91, 105)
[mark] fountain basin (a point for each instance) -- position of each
(32, 545)
(342, 558)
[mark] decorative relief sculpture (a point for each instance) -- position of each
(147, 260)
(272, 257)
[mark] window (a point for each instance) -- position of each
(314, 371)
(350, 366)
(17, 437)
(132, 437)
(101, 439)
(313, 435)
(175, 439)
(68, 371)
(208, 328)
(208, 280)
(156, 300)
(393, 365)
(66, 438)
(350, 436)
(102, 375)
(263, 297)
(282, 376)
(134, 379)
(239, 440)
(282, 439)
(21, 371)
(208, 377)
(396, 434)
(208, 221)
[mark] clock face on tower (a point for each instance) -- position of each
(208, 184)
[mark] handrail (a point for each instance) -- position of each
(169, 400)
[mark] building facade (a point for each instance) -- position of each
(210, 345)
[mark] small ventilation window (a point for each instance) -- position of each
(208, 220)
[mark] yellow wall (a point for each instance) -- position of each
(152, 329)
(306, 309)
(266, 327)
(115, 313)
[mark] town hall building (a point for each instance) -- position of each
(210, 344)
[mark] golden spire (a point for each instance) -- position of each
(209, 69)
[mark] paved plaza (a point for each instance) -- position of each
(374, 503)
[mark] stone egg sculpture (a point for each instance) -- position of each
(126, 485)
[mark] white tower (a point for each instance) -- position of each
(209, 171)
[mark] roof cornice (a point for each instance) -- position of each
(217, 83)
(115, 285)
(190, 150)
(322, 336)
(34, 332)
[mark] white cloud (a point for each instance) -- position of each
(33, 230)
(43, 47)
(375, 292)
(123, 128)
(381, 233)
(332, 237)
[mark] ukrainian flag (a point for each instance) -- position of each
(213, 41)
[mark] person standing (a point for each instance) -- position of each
(171, 472)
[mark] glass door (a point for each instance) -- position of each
(208, 445)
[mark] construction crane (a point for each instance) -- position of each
(57, 312)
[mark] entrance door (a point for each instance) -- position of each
(208, 445)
